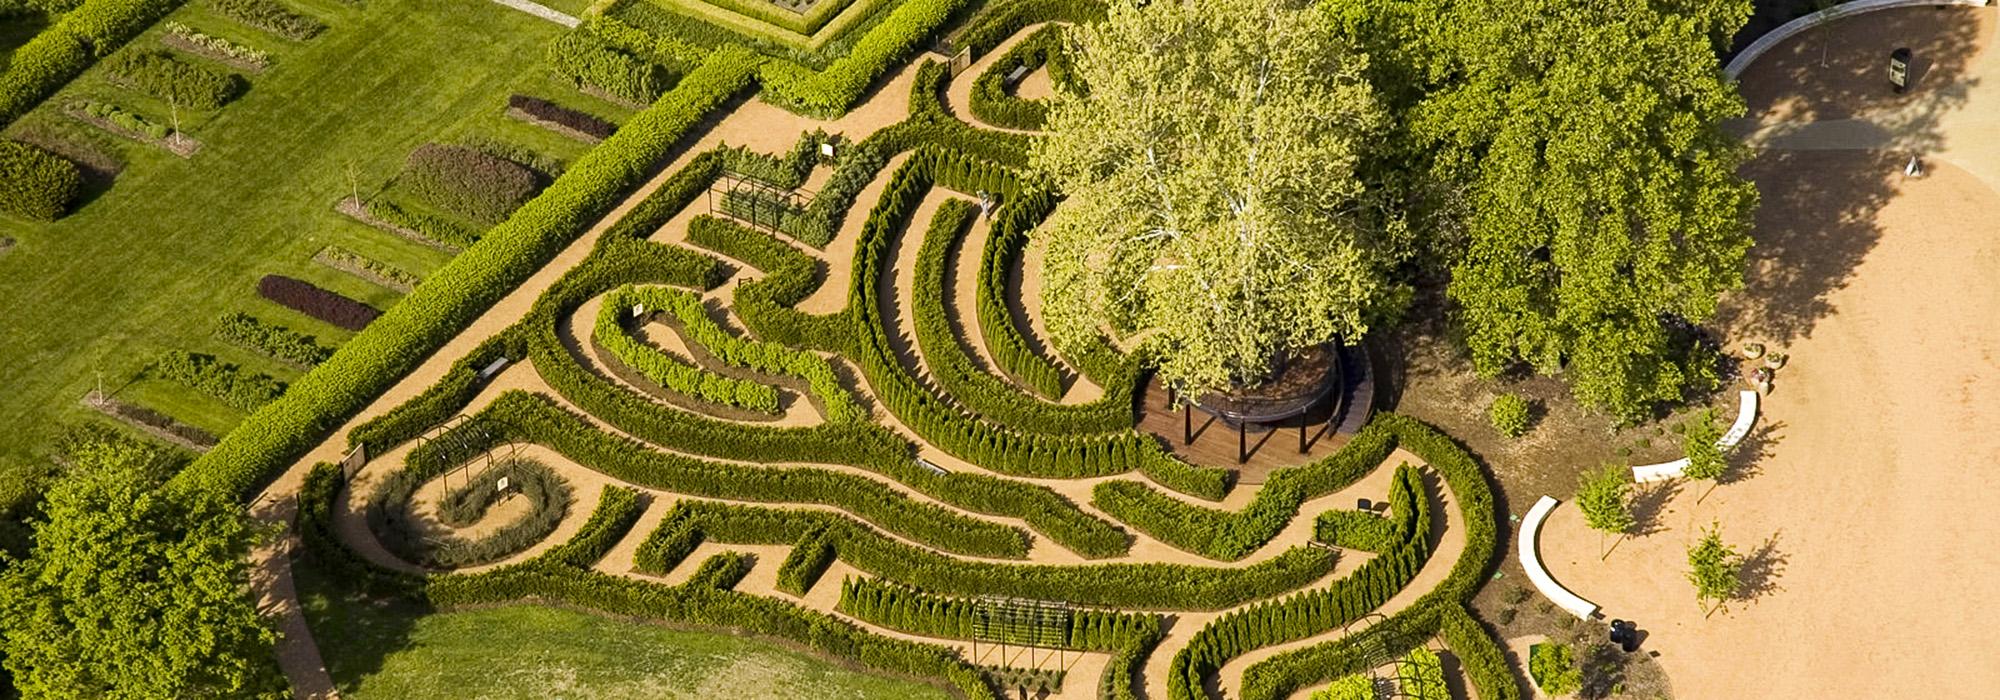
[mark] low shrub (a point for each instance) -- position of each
(1353, 529)
(549, 499)
(671, 371)
(722, 571)
(1420, 676)
(691, 316)
(589, 61)
(118, 117)
(443, 230)
(1509, 414)
(807, 561)
(1554, 668)
(559, 118)
(34, 183)
(245, 390)
(271, 16)
(215, 46)
(993, 100)
(165, 76)
(368, 268)
(277, 342)
(307, 298)
(831, 92)
(469, 182)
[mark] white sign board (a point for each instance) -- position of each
(502, 486)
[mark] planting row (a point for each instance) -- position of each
(242, 389)
(393, 522)
(675, 373)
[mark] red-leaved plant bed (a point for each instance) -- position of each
(308, 299)
(559, 118)
(469, 182)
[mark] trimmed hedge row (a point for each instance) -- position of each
(676, 373)
(469, 182)
(271, 16)
(309, 299)
(441, 229)
(765, 304)
(1307, 614)
(1231, 535)
(392, 523)
(233, 385)
(441, 400)
(834, 400)
(561, 118)
(36, 184)
(532, 418)
(994, 104)
(465, 287)
(1145, 586)
(807, 561)
(163, 75)
(217, 46)
(788, 171)
(273, 341)
(723, 570)
(589, 61)
(830, 93)
(1004, 19)
(1005, 340)
(368, 268)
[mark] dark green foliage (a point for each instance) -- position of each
(438, 402)
(270, 16)
(568, 120)
(1353, 529)
(468, 182)
(548, 497)
(163, 75)
(992, 101)
(34, 183)
(723, 570)
(833, 91)
(912, 610)
(586, 60)
(1000, 20)
(691, 317)
(806, 563)
(245, 390)
(443, 230)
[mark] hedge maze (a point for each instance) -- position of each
(761, 366)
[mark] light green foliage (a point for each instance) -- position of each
(1698, 437)
(1715, 569)
(133, 591)
(1553, 666)
(1605, 497)
(1509, 414)
(1347, 688)
(1597, 194)
(1211, 186)
(1421, 676)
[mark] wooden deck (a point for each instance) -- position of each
(1215, 443)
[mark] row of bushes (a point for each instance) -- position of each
(807, 561)
(675, 373)
(392, 522)
(910, 609)
(273, 341)
(722, 571)
(439, 402)
(790, 276)
(165, 76)
(240, 388)
(1306, 614)
(589, 61)
(130, 122)
(439, 229)
(373, 270)
(1353, 529)
(60, 52)
(831, 92)
(1005, 340)
(325, 305)
(994, 103)
(1150, 586)
(788, 171)
(1231, 535)
(466, 286)
(270, 16)
(36, 184)
(760, 205)
(1001, 20)
(560, 118)
(691, 316)
(467, 181)
(217, 47)
(535, 419)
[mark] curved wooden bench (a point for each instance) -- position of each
(1531, 560)
(1746, 417)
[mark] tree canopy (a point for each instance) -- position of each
(1715, 569)
(1213, 203)
(133, 591)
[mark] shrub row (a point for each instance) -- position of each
(1231, 535)
(1481, 659)
(1004, 19)
(440, 401)
(1147, 586)
(807, 561)
(468, 182)
(675, 373)
(60, 52)
(307, 298)
(1420, 676)
(34, 183)
(588, 61)
(560, 118)
(618, 509)
(723, 570)
(271, 16)
(910, 609)
(368, 268)
(395, 526)
(274, 341)
(765, 304)
(959, 374)
(786, 172)
(691, 316)
(830, 93)
(992, 101)
(122, 119)
(466, 286)
(760, 205)
(233, 385)
(1305, 614)
(441, 229)
(1006, 341)
(535, 419)
(165, 76)
(216, 46)
(1353, 529)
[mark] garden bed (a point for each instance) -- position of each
(177, 143)
(151, 422)
(354, 209)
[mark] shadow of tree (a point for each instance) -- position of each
(1761, 570)
(1748, 459)
(1649, 505)
(1841, 69)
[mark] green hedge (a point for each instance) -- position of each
(163, 75)
(669, 370)
(62, 51)
(241, 389)
(271, 16)
(34, 183)
(392, 523)
(1004, 339)
(691, 317)
(464, 288)
(1000, 20)
(992, 102)
(831, 92)
(584, 59)
(723, 570)
(807, 561)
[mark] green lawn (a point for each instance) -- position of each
(383, 652)
(149, 263)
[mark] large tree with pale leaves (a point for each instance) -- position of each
(1213, 203)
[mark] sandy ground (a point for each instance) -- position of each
(1862, 503)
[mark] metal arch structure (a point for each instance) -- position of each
(1377, 644)
(734, 184)
(1014, 625)
(466, 439)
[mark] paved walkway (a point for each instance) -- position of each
(542, 11)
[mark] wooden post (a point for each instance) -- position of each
(1302, 432)
(1242, 444)
(1187, 424)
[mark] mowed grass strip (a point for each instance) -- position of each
(530, 652)
(153, 261)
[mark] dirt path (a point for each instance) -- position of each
(958, 94)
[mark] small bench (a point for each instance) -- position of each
(1531, 560)
(1014, 76)
(1746, 417)
(934, 468)
(493, 368)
